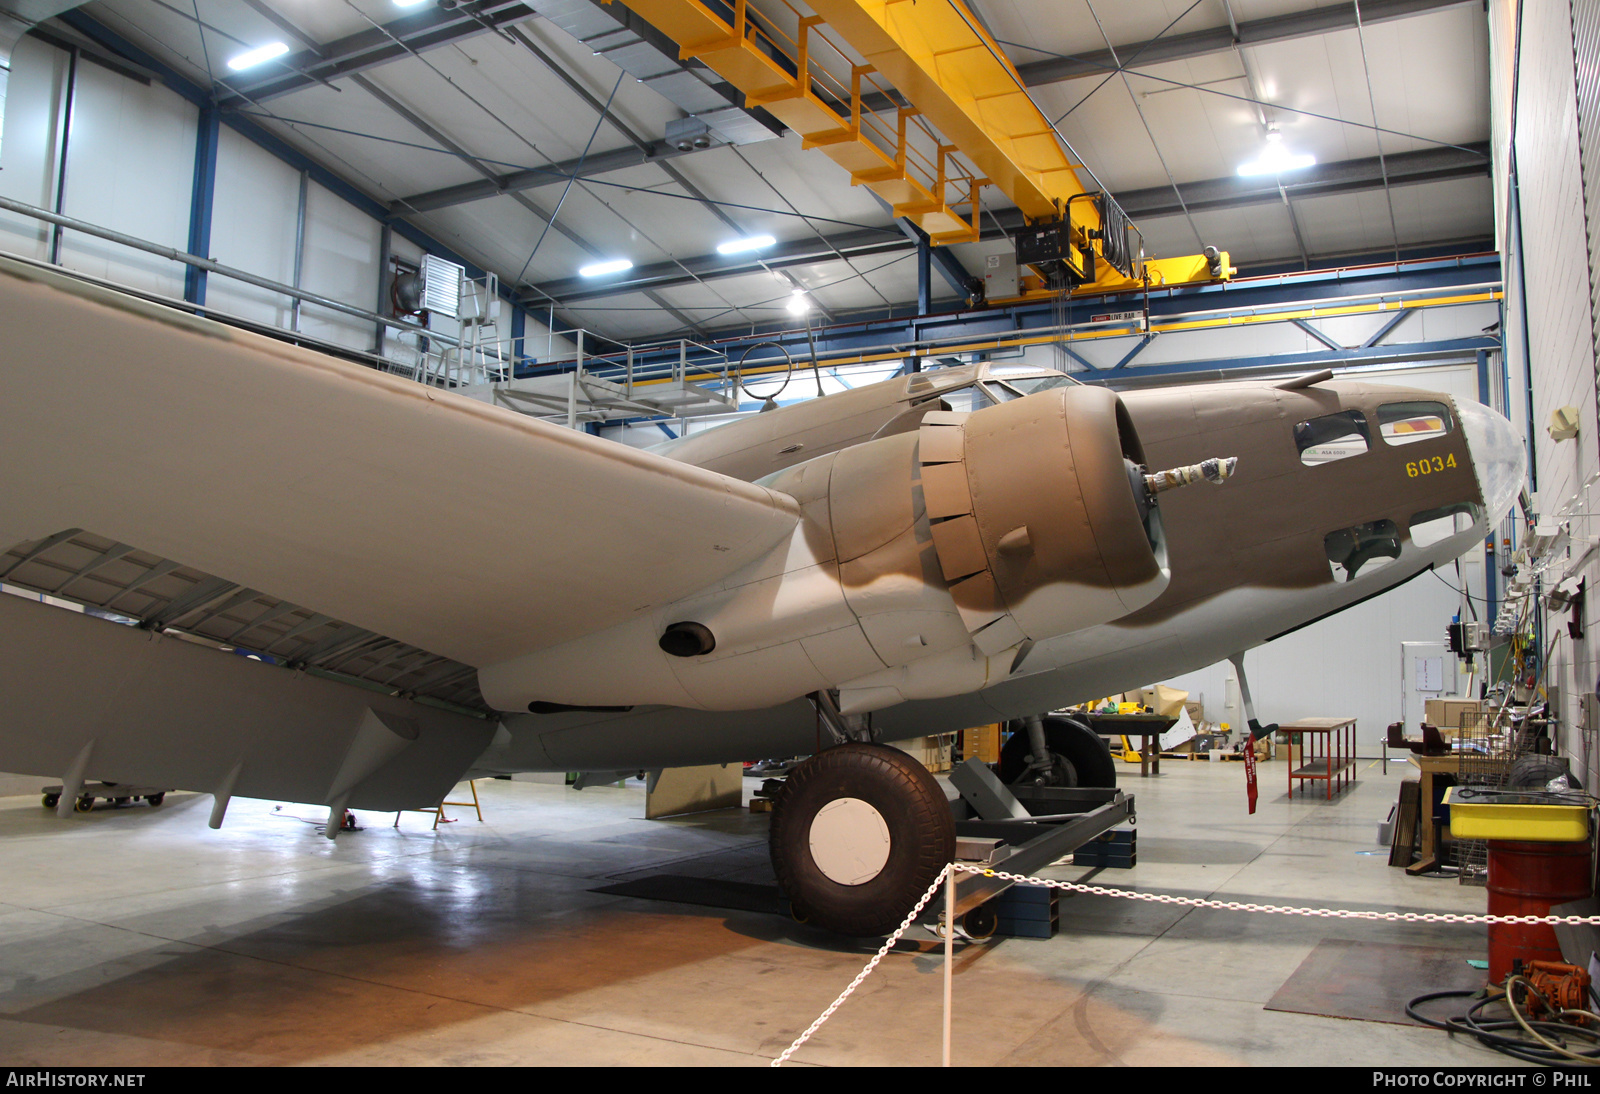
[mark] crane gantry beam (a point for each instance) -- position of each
(959, 101)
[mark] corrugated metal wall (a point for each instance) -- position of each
(130, 161)
(1552, 205)
(1586, 70)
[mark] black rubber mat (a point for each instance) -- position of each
(1371, 981)
(738, 896)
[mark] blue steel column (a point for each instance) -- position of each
(519, 334)
(58, 232)
(924, 291)
(385, 250)
(924, 275)
(201, 199)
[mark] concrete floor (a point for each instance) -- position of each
(140, 937)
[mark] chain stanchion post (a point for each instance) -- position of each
(949, 953)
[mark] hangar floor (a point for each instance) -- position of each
(135, 936)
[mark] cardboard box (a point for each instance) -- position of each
(1165, 701)
(932, 752)
(1445, 712)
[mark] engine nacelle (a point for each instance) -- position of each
(921, 566)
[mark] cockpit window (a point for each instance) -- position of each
(1408, 423)
(1029, 385)
(1366, 546)
(968, 399)
(1332, 437)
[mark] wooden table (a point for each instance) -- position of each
(1147, 727)
(1337, 755)
(1431, 766)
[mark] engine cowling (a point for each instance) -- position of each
(921, 566)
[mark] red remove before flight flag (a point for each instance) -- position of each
(1250, 769)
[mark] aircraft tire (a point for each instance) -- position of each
(1080, 756)
(858, 834)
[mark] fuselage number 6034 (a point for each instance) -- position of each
(1428, 467)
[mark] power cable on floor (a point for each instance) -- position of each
(1545, 1042)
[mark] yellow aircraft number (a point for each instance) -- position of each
(1429, 467)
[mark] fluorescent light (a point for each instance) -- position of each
(1275, 161)
(600, 269)
(739, 246)
(407, 3)
(259, 55)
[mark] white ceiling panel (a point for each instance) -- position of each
(628, 317)
(1256, 233)
(778, 175)
(1438, 211)
(1067, 26)
(504, 233)
(1182, 121)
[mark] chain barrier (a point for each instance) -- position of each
(1163, 898)
(1280, 909)
(888, 944)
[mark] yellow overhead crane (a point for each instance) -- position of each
(934, 70)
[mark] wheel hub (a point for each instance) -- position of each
(1060, 772)
(849, 841)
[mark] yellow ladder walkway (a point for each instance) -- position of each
(939, 57)
(784, 65)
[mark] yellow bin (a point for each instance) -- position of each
(1517, 815)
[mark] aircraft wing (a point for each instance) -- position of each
(455, 526)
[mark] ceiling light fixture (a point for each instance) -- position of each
(798, 304)
(1275, 160)
(740, 246)
(260, 55)
(407, 3)
(600, 269)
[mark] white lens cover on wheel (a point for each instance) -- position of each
(849, 841)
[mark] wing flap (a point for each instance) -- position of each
(457, 527)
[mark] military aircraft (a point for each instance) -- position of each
(426, 587)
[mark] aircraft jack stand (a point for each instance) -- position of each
(1018, 829)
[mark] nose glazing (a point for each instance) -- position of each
(1498, 456)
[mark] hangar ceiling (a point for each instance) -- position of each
(532, 136)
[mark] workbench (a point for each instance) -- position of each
(1147, 727)
(1337, 754)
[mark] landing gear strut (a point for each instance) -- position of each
(1075, 756)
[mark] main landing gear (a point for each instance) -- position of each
(1071, 755)
(861, 830)
(858, 834)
